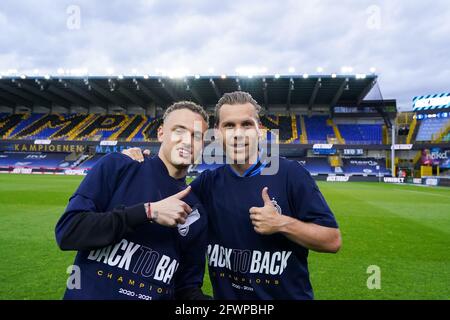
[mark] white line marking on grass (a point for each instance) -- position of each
(427, 193)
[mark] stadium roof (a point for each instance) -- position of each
(293, 91)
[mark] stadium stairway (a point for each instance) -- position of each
(304, 135)
(412, 131)
(439, 136)
(385, 136)
(336, 131)
(294, 130)
(336, 163)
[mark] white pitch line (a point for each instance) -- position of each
(424, 192)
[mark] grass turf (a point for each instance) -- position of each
(405, 230)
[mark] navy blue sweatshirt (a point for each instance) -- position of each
(244, 265)
(121, 254)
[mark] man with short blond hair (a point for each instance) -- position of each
(139, 231)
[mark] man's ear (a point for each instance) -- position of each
(160, 133)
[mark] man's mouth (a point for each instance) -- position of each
(240, 147)
(184, 153)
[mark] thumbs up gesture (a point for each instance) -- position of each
(171, 211)
(266, 220)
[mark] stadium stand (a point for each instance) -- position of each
(105, 114)
(83, 127)
(429, 127)
(73, 127)
(52, 126)
(361, 133)
(113, 127)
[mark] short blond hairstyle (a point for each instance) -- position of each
(189, 105)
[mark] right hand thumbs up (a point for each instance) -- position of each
(171, 211)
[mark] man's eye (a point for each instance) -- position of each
(228, 125)
(179, 131)
(197, 136)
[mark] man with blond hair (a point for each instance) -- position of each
(139, 231)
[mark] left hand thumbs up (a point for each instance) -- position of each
(265, 219)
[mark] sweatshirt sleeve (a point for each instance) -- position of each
(309, 203)
(86, 224)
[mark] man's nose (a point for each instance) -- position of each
(239, 133)
(186, 139)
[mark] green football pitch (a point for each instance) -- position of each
(404, 230)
